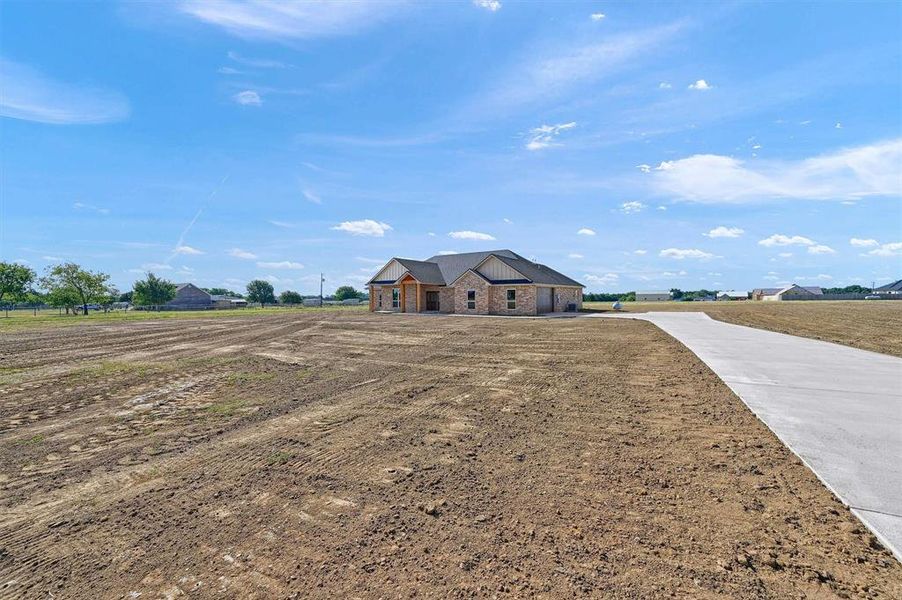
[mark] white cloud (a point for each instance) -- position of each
(597, 16)
(779, 239)
(891, 249)
(683, 253)
(155, 267)
(665, 86)
(838, 125)
(863, 243)
(820, 249)
(631, 207)
(187, 250)
(662, 208)
(364, 227)
(311, 196)
(228, 71)
(724, 232)
(470, 235)
(51, 258)
(490, 5)
(847, 174)
(606, 279)
(288, 20)
(701, 84)
(31, 96)
(771, 277)
(575, 255)
(283, 224)
(446, 252)
(248, 98)
(91, 207)
(644, 168)
(285, 264)
(506, 220)
(239, 253)
(640, 252)
(370, 261)
(544, 136)
(585, 231)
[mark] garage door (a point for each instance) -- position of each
(543, 299)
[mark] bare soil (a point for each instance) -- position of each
(874, 325)
(371, 456)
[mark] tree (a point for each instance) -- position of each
(126, 297)
(261, 291)
(289, 297)
(345, 292)
(15, 281)
(153, 291)
(68, 282)
(676, 293)
(222, 292)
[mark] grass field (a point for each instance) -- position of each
(340, 454)
(870, 325)
(25, 319)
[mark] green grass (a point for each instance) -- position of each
(226, 408)
(24, 319)
(32, 441)
(279, 458)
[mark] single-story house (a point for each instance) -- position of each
(656, 296)
(497, 282)
(890, 289)
(732, 295)
(228, 302)
(189, 297)
(795, 292)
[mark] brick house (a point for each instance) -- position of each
(497, 282)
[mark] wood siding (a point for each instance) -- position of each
(390, 272)
(495, 270)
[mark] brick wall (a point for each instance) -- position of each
(564, 296)
(470, 281)
(386, 299)
(526, 300)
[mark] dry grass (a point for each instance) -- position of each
(875, 326)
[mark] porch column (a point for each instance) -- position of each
(372, 299)
(418, 296)
(403, 298)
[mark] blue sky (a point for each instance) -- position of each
(631, 146)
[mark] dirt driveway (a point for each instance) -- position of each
(357, 455)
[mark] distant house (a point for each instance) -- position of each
(228, 302)
(890, 289)
(189, 297)
(657, 296)
(732, 295)
(497, 282)
(794, 292)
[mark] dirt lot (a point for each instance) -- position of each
(338, 455)
(870, 325)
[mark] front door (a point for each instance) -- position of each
(432, 301)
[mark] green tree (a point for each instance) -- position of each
(153, 291)
(15, 281)
(126, 297)
(68, 281)
(222, 292)
(261, 291)
(345, 292)
(289, 297)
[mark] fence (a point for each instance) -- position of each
(842, 297)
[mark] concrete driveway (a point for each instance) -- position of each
(838, 408)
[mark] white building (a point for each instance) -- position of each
(657, 296)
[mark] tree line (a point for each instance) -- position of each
(75, 288)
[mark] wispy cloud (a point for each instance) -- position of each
(283, 224)
(863, 243)
(471, 235)
(597, 16)
(820, 249)
(684, 253)
(311, 196)
(490, 5)
(81, 206)
(632, 207)
(289, 20)
(545, 135)
(585, 231)
(575, 255)
(283, 264)
(778, 239)
(189, 250)
(605, 279)
(366, 227)
(32, 96)
(248, 98)
(701, 84)
(257, 63)
(891, 249)
(244, 254)
(724, 232)
(871, 170)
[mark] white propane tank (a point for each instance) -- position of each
(617, 305)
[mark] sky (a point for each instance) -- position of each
(629, 145)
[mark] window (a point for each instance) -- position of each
(471, 299)
(511, 299)
(395, 297)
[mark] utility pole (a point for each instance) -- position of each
(321, 280)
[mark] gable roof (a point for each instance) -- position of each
(444, 269)
(895, 286)
(813, 290)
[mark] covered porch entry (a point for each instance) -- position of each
(408, 295)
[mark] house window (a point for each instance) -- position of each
(395, 297)
(471, 299)
(511, 299)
